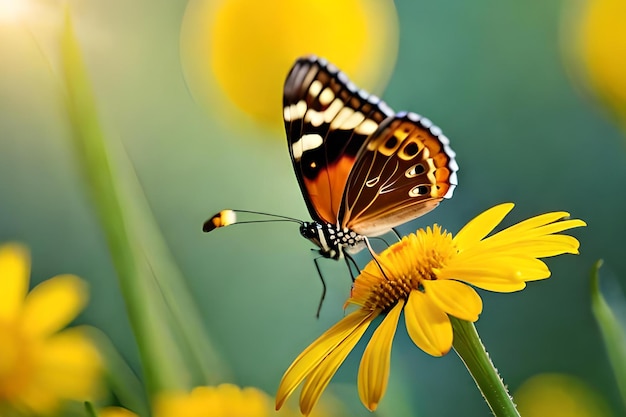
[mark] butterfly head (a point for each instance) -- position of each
(315, 232)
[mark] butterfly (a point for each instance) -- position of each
(362, 168)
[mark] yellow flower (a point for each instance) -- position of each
(40, 365)
(427, 275)
(225, 400)
(239, 51)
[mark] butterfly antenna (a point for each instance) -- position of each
(228, 217)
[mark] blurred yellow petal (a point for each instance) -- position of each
(312, 356)
(481, 225)
(40, 368)
(71, 365)
(40, 401)
(428, 326)
(455, 298)
(559, 395)
(244, 49)
(376, 360)
(225, 400)
(14, 277)
(53, 304)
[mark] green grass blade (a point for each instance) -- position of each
(612, 330)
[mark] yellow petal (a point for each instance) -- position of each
(70, 365)
(14, 274)
(313, 355)
(455, 298)
(499, 267)
(535, 222)
(536, 247)
(481, 225)
(376, 360)
(53, 304)
(485, 280)
(39, 401)
(318, 379)
(507, 237)
(428, 326)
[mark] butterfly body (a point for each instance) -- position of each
(332, 240)
(362, 168)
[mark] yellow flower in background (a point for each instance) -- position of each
(244, 49)
(595, 36)
(41, 364)
(428, 275)
(559, 395)
(225, 400)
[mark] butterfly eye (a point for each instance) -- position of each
(418, 191)
(415, 170)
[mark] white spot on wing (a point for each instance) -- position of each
(316, 118)
(332, 110)
(342, 116)
(295, 111)
(367, 127)
(326, 96)
(353, 121)
(315, 88)
(306, 143)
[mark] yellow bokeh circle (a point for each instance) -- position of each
(598, 34)
(559, 395)
(242, 50)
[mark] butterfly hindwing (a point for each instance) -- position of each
(327, 120)
(402, 172)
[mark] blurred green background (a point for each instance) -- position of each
(490, 74)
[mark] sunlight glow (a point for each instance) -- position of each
(12, 11)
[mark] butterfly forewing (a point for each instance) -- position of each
(402, 172)
(327, 120)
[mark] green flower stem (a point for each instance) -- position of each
(470, 349)
(160, 359)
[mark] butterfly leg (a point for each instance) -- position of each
(319, 272)
(395, 232)
(350, 262)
